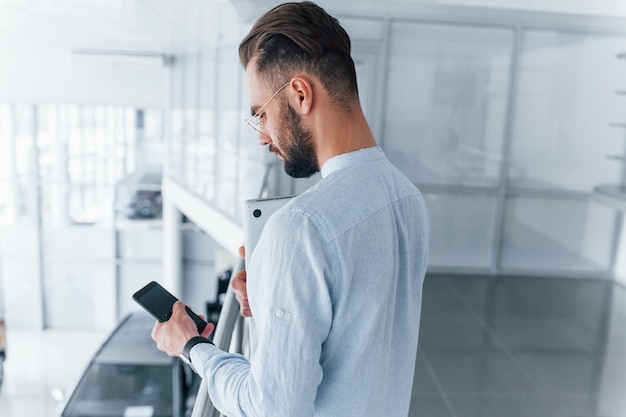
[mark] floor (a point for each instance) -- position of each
(40, 364)
(521, 347)
(489, 347)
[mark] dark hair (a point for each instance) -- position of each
(302, 37)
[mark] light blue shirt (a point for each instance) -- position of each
(335, 289)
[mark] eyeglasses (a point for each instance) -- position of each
(256, 122)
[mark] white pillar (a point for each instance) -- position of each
(172, 217)
(172, 247)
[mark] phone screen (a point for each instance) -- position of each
(157, 301)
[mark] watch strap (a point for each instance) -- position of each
(191, 343)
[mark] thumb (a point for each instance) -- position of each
(177, 307)
(208, 330)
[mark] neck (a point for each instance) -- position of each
(338, 131)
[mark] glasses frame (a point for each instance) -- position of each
(255, 121)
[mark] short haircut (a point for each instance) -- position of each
(301, 37)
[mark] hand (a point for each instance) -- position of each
(240, 288)
(172, 335)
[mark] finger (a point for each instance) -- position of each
(240, 277)
(208, 330)
(242, 299)
(244, 307)
(241, 296)
(243, 302)
(242, 251)
(178, 308)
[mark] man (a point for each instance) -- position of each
(335, 283)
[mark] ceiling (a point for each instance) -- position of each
(126, 25)
(165, 26)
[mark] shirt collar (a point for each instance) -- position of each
(345, 160)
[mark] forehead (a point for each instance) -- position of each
(256, 88)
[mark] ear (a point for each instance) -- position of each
(302, 94)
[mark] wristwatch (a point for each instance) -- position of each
(190, 344)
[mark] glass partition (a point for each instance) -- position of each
(72, 176)
(557, 233)
(446, 102)
(568, 136)
(569, 120)
(444, 127)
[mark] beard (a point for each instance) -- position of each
(298, 152)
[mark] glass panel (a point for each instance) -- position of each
(229, 78)
(24, 135)
(18, 203)
(127, 129)
(208, 107)
(204, 162)
(84, 204)
(249, 138)
(226, 182)
(253, 158)
(176, 158)
(229, 126)
(190, 98)
(177, 151)
(446, 105)
(110, 390)
(559, 234)
(565, 109)
(6, 144)
(50, 149)
(461, 230)
(153, 125)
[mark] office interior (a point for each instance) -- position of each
(124, 159)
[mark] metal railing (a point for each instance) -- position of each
(228, 336)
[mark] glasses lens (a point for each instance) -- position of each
(256, 124)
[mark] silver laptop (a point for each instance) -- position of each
(255, 214)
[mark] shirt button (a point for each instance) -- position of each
(279, 313)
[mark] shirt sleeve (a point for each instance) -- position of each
(291, 305)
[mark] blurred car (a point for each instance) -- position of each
(144, 204)
(139, 196)
(129, 376)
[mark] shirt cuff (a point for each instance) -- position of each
(201, 353)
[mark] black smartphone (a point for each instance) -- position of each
(157, 301)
